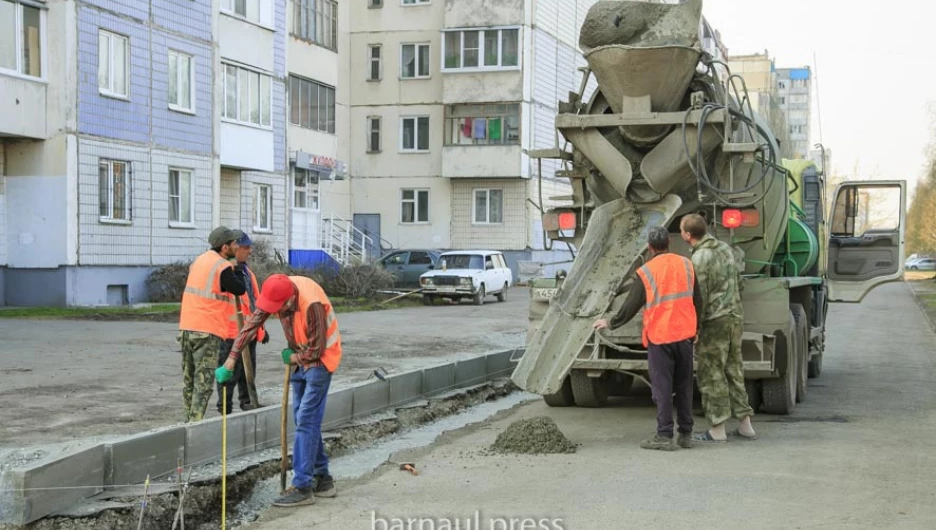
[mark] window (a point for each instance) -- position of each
(181, 197)
(415, 2)
(420, 258)
(373, 134)
(414, 134)
(799, 83)
(263, 209)
(488, 206)
(373, 4)
(305, 189)
(246, 96)
(311, 105)
(257, 11)
(114, 190)
(414, 206)
(316, 21)
(781, 85)
(112, 64)
(482, 124)
(414, 61)
(373, 54)
(181, 81)
(487, 49)
(21, 38)
(799, 98)
(782, 100)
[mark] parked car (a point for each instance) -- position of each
(408, 265)
(921, 264)
(471, 274)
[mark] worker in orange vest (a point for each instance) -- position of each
(247, 303)
(669, 294)
(206, 315)
(311, 330)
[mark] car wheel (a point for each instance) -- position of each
(479, 296)
(913, 268)
(502, 295)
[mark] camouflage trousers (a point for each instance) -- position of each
(199, 361)
(720, 371)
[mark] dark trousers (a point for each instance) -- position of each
(671, 372)
(239, 379)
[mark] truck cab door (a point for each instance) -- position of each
(866, 237)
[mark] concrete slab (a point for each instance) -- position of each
(268, 427)
(438, 379)
(28, 493)
(471, 371)
(370, 398)
(151, 453)
(498, 365)
(405, 387)
(338, 408)
(203, 439)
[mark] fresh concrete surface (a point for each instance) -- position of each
(67, 380)
(859, 453)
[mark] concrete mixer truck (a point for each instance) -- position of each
(665, 134)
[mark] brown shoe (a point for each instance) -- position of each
(661, 443)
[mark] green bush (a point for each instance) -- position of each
(167, 283)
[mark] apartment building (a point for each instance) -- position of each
(446, 97)
(107, 150)
(250, 92)
(795, 88)
(318, 133)
(763, 88)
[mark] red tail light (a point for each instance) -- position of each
(750, 218)
(567, 221)
(554, 221)
(731, 218)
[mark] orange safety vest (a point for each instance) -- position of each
(204, 307)
(669, 315)
(245, 308)
(310, 292)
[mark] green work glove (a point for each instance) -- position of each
(287, 354)
(223, 375)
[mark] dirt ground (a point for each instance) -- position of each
(858, 453)
(69, 380)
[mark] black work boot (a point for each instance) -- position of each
(295, 497)
(324, 486)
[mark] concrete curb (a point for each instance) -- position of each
(53, 484)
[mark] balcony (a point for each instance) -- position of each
(23, 107)
(481, 161)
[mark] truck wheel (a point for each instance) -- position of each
(802, 356)
(589, 391)
(479, 296)
(502, 295)
(562, 398)
(780, 393)
(753, 389)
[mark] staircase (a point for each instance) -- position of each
(343, 241)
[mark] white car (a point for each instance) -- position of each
(467, 274)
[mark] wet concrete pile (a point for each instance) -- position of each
(640, 24)
(532, 436)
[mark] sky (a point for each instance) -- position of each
(876, 74)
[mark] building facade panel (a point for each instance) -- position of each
(479, 222)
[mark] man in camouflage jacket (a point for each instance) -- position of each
(719, 368)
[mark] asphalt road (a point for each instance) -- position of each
(66, 380)
(859, 453)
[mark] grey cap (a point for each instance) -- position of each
(221, 235)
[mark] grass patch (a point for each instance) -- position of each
(87, 312)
